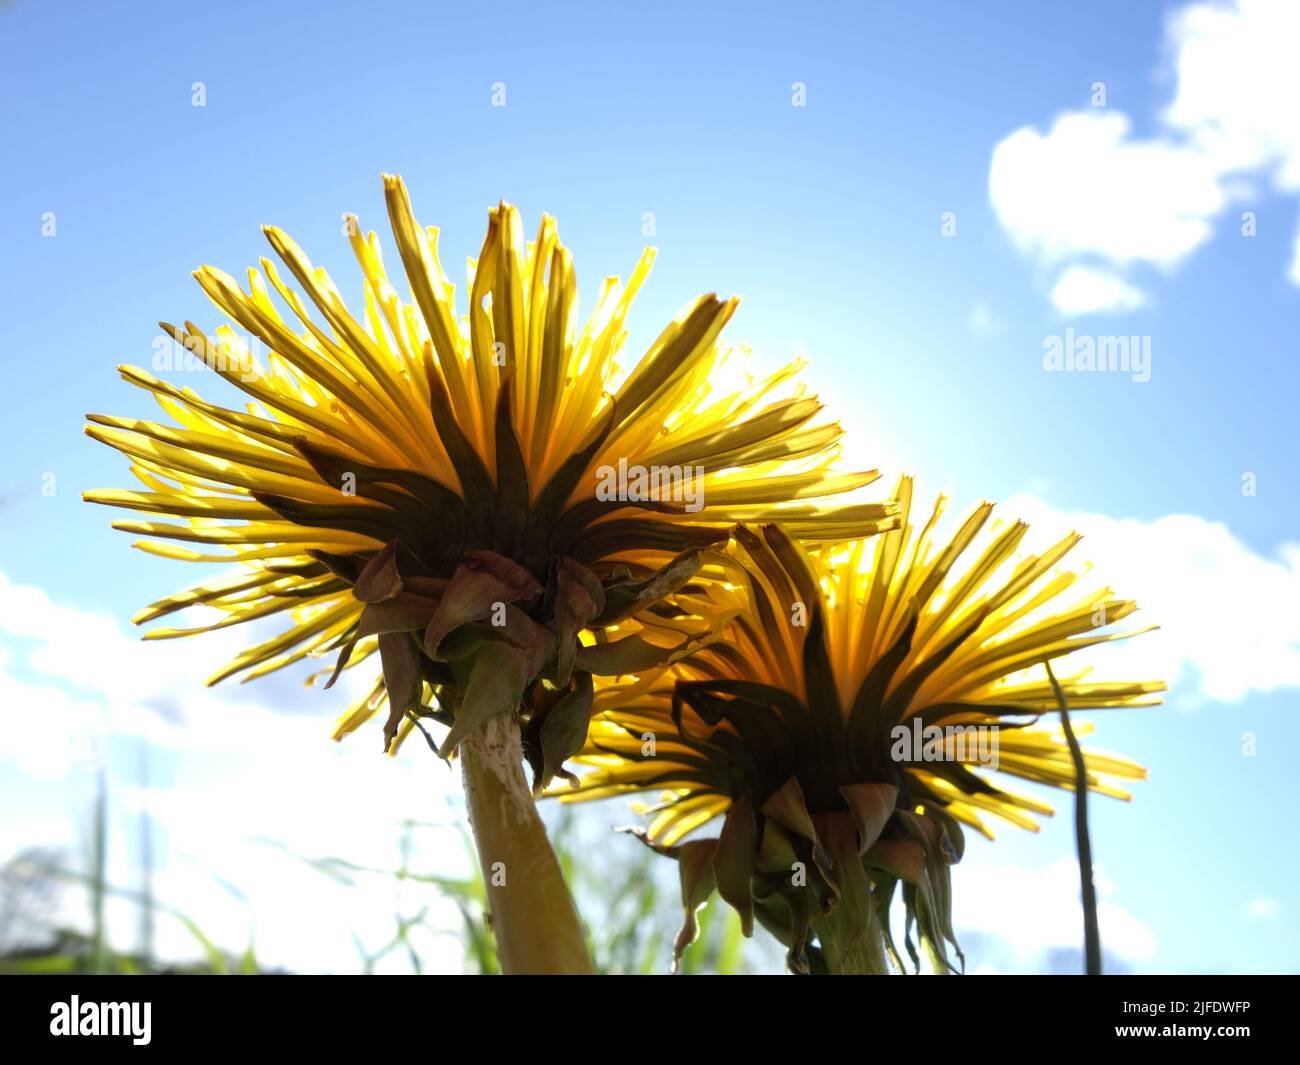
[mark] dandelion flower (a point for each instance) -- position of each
(795, 727)
(408, 471)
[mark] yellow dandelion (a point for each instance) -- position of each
(845, 723)
(413, 471)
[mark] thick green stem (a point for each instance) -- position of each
(850, 935)
(533, 916)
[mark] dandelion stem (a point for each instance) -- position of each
(1091, 931)
(537, 927)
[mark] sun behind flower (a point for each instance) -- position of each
(428, 485)
(797, 726)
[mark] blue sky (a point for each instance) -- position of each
(829, 220)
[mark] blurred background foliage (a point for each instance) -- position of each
(627, 895)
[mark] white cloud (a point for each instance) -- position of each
(1082, 290)
(1088, 188)
(1237, 84)
(45, 730)
(1036, 910)
(1226, 613)
(153, 689)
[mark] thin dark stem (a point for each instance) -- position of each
(98, 880)
(1091, 931)
(146, 863)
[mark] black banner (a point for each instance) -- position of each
(336, 1014)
